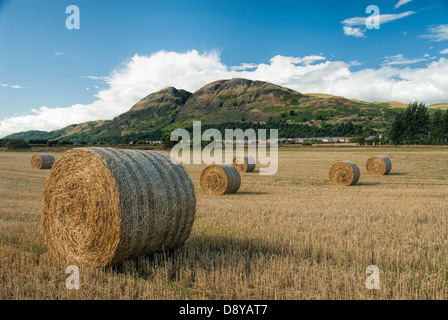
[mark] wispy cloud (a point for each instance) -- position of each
(58, 53)
(400, 3)
(444, 51)
(101, 78)
(437, 33)
(356, 26)
(14, 86)
(191, 70)
(244, 66)
(400, 59)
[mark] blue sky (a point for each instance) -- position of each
(51, 76)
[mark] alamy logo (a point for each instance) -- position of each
(373, 280)
(72, 281)
(257, 146)
(73, 20)
(373, 21)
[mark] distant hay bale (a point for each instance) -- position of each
(344, 173)
(102, 206)
(246, 163)
(220, 179)
(42, 161)
(378, 166)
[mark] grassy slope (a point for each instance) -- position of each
(442, 106)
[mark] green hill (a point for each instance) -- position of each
(223, 103)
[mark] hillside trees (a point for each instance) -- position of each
(415, 126)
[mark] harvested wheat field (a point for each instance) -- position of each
(288, 236)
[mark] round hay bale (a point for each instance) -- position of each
(344, 173)
(220, 179)
(378, 166)
(245, 164)
(42, 161)
(102, 206)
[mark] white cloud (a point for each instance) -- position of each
(14, 86)
(437, 33)
(244, 66)
(142, 75)
(356, 63)
(400, 59)
(355, 32)
(400, 3)
(444, 51)
(58, 53)
(356, 26)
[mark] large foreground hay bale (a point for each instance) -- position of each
(378, 166)
(102, 206)
(42, 161)
(244, 164)
(344, 173)
(220, 179)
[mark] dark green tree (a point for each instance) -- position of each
(437, 128)
(396, 131)
(16, 144)
(422, 124)
(166, 142)
(411, 126)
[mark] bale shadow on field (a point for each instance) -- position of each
(207, 253)
(363, 183)
(218, 244)
(397, 174)
(251, 192)
(202, 193)
(252, 172)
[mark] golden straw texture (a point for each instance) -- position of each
(102, 206)
(42, 161)
(344, 173)
(244, 164)
(220, 179)
(378, 166)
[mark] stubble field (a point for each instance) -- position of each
(287, 236)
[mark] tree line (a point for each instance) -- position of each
(285, 130)
(416, 126)
(294, 130)
(23, 144)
